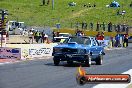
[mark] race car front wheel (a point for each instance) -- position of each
(88, 60)
(99, 60)
(56, 61)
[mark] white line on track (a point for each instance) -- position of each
(115, 48)
(5, 63)
(1, 63)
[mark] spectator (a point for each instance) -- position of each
(57, 34)
(103, 26)
(118, 28)
(117, 38)
(121, 41)
(114, 27)
(54, 35)
(30, 35)
(125, 44)
(23, 32)
(94, 5)
(123, 28)
(97, 36)
(43, 2)
(42, 38)
(7, 34)
(109, 27)
(48, 2)
(89, 4)
(123, 12)
(34, 33)
(79, 33)
(91, 25)
(37, 36)
(97, 26)
(76, 32)
(84, 25)
(77, 25)
(82, 34)
(127, 29)
(100, 36)
(46, 38)
(118, 12)
(112, 40)
(84, 5)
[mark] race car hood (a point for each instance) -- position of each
(72, 45)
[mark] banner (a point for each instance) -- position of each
(10, 53)
(34, 50)
(40, 51)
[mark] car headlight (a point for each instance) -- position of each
(81, 51)
(57, 50)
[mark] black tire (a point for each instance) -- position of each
(70, 62)
(99, 60)
(88, 60)
(82, 80)
(56, 61)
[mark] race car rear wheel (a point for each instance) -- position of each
(99, 60)
(56, 61)
(88, 60)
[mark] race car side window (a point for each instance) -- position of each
(96, 42)
(93, 42)
(87, 41)
(66, 41)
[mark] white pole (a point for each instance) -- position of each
(52, 4)
(4, 38)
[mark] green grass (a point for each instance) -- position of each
(33, 14)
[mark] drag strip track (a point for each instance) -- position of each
(43, 73)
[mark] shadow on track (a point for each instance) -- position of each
(64, 64)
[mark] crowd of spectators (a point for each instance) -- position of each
(37, 36)
(102, 26)
(79, 33)
(117, 41)
(120, 40)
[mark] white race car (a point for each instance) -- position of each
(62, 36)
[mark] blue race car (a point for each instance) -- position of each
(81, 49)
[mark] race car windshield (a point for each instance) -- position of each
(79, 40)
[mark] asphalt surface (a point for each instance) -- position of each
(43, 74)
